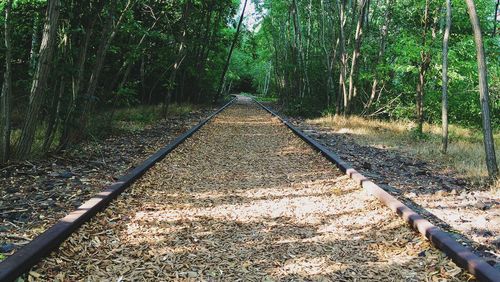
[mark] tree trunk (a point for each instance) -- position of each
(489, 144)
(424, 65)
(75, 126)
(76, 86)
(142, 74)
(34, 45)
(355, 55)
(40, 79)
(342, 95)
(5, 99)
(53, 119)
(328, 61)
(178, 61)
(381, 53)
(444, 110)
(495, 19)
(301, 60)
(109, 33)
(228, 59)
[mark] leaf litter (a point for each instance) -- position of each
(35, 194)
(244, 199)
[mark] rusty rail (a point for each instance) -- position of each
(461, 255)
(28, 256)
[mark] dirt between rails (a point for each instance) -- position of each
(35, 194)
(469, 213)
(246, 200)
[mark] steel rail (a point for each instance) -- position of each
(21, 261)
(461, 255)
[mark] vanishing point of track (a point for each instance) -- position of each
(242, 198)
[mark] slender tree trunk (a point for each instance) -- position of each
(298, 43)
(444, 110)
(178, 61)
(206, 36)
(53, 119)
(343, 58)
(76, 86)
(307, 84)
(5, 99)
(328, 61)
(40, 79)
(355, 55)
(367, 15)
(489, 144)
(109, 33)
(142, 71)
(34, 44)
(424, 65)
(228, 59)
(495, 19)
(75, 126)
(381, 53)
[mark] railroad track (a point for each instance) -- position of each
(244, 199)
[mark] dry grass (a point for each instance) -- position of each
(465, 151)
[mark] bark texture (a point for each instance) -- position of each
(489, 144)
(39, 79)
(444, 110)
(5, 99)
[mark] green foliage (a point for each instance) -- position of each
(270, 49)
(267, 99)
(152, 48)
(141, 115)
(171, 47)
(125, 97)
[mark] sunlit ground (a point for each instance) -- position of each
(244, 199)
(465, 150)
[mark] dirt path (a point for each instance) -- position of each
(244, 199)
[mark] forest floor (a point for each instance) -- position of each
(245, 199)
(35, 194)
(452, 200)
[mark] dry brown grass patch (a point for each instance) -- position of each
(465, 151)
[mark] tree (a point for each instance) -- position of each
(228, 59)
(381, 54)
(109, 32)
(355, 54)
(40, 78)
(179, 59)
(424, 64)
(342, 93)
(444, 110)
(495, 19)
(5, 99)
(489, 144)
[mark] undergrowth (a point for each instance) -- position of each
(106, 123)
(267, 99)
(465, 150)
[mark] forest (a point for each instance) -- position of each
(256, 140)
(68, 66)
